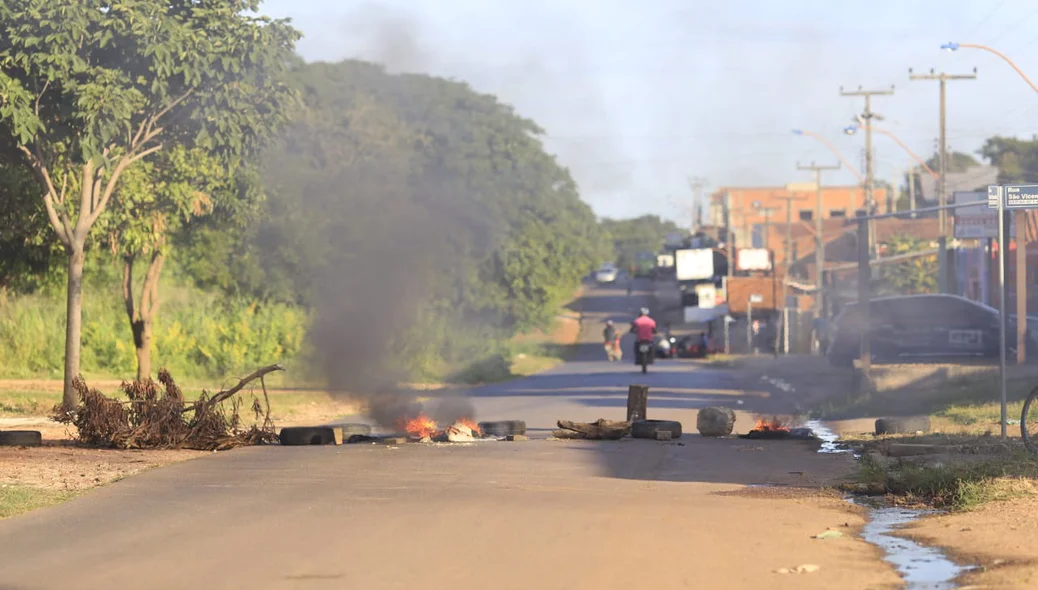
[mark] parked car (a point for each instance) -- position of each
(919, 326)
(606, 274)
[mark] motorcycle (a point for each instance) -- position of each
(644, 355)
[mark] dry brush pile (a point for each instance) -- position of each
(151, 418)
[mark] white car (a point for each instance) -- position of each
(606, 274)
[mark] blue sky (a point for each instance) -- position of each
(635, 98)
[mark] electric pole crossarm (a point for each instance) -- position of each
(942, 185)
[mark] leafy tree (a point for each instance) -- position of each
(420, 205)
(1017, 159)
(641, 234)
(957, 162)
(89, 89)
(908, 277)
(157, 201)
(25, 249)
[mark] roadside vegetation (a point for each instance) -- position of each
(965, 463)
(282, 215)
(967, 472)
(15, 500)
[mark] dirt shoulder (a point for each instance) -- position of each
(36, 477)
(32, 478)
(999, 539)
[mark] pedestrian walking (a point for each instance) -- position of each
(612, 342)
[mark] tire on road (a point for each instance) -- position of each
(307, 435)
(20, 438)
(903, 425)
(351, 428)
(503, 427)
(649, 428)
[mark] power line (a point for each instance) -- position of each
(942, 149)
(968, 36)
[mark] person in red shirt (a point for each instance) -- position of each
(644, 328)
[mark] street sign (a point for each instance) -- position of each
(977, 222)
(1021, 196)
(994, 196)
(756, 298)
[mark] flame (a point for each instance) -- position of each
(765, 425)
(421, 426)
(476, 430)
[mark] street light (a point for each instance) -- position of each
(1021, 255)
(956, 46)
(832, 149)
(852, 129)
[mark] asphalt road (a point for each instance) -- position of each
(543, 514)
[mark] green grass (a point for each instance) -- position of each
(197, 335)
(964, 400)
(285, 404)
(955, 484)
(17, 402)
(15, 500)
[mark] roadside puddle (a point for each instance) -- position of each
(828, 437)
(923, 568)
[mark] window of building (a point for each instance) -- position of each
(806, 215)
(758, 235)
(837, 213)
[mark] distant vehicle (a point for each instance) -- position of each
(919, 326)
(606, 274)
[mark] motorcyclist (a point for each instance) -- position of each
(612, 342)
(644, 329)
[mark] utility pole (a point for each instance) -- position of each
(911, 190)
(865, 120)
(819, 239)
(766, 238)
(787, 256)
(942, 186)
(697, 183)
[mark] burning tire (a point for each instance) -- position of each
(907, 425)
(20, 438)
(503, 427)
(307, 435)
(650, 428)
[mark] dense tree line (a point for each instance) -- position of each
(633, 236)
(406, 211)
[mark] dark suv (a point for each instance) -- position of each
(934, 326)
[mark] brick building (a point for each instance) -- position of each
(750, 224)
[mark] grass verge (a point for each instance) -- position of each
(964, 400)
(15, 500)
(973, 471)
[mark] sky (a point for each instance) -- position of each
(637, 98)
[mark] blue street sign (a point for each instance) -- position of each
(1021, 196)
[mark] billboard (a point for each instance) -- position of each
(693, 265)
(665, 260)
(977, 222)
(753, 259)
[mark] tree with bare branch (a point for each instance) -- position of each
(90, 89)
